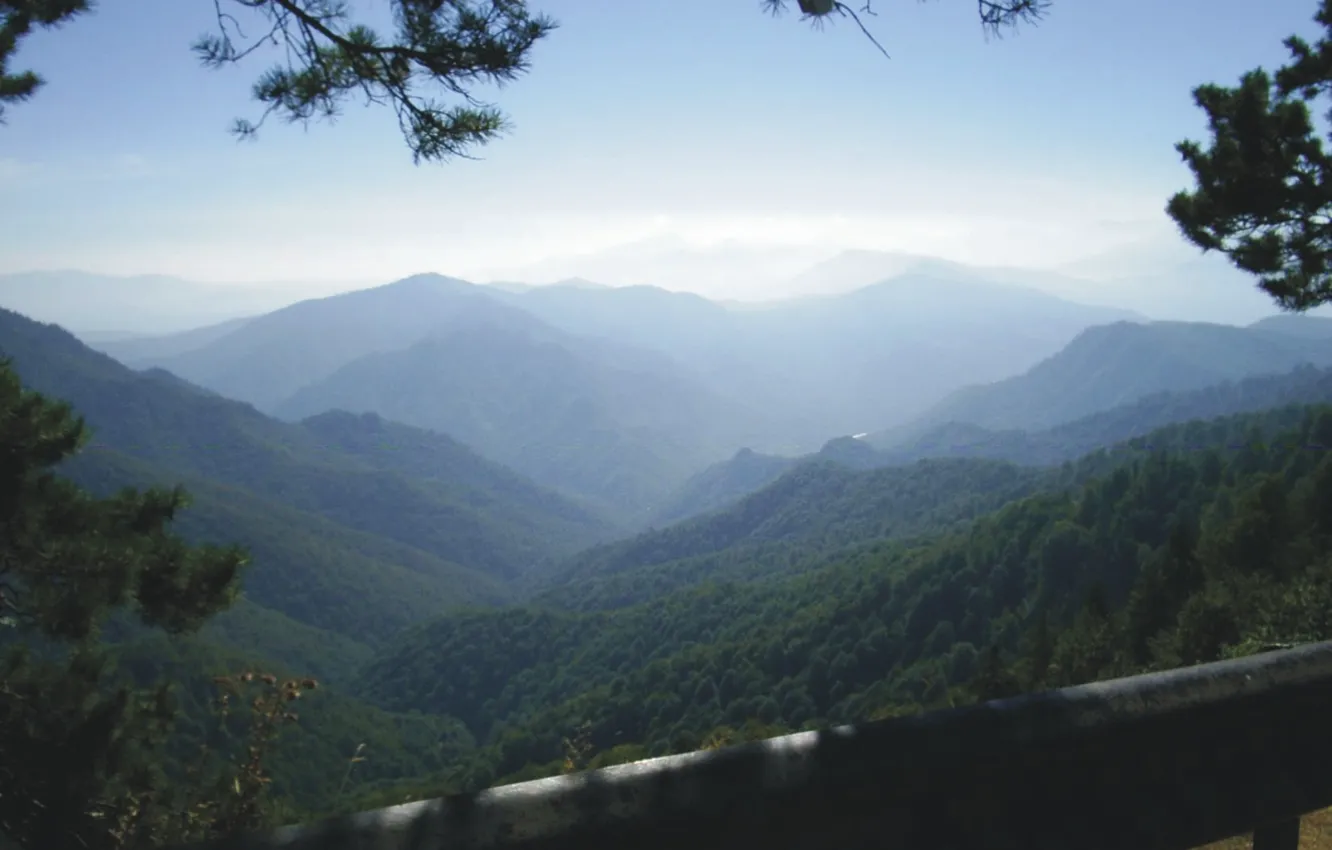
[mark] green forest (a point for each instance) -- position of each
(1193, 543)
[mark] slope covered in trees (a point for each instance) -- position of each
(1201, 539)
(799, 520)
(340, 469)
(304, 566)
(111, 729)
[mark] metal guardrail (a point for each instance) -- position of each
(1165, 761)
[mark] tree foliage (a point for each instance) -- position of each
(1263, 183)
(18, 18)
(448, 46)
(996, 16)
(76, 751)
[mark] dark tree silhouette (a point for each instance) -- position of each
(1263, 184)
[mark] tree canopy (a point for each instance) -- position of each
(77, 753)
(1263, 184)
(328, 56)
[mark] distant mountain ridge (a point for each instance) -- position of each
(873, 355)
(729, 481)
(266, 359)
(779, 379)
(460, 359)
(1110, 365)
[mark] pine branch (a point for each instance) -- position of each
(454, 46)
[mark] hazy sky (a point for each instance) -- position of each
(692, 121)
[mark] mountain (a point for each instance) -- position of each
(596, 417)
(814, 366)
(268, 358)
(813, 510)
(1168, 279)
(671, 263)
(714, 342)
(580, 415)
(140, 304)
(651, 318)
(855, 269)
(885, 352)
(351, 519)
(729, 481)
(1117, 364)
(723, 483)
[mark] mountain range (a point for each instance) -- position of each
(617, 395)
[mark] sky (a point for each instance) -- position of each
(642, 128)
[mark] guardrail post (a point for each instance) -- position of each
(1284, 835)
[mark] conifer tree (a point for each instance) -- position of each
(438, 47)
(1263, 183)
(78, 766)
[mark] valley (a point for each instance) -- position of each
(494, 520)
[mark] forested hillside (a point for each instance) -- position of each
(1200, 540)
(806, 515)
(327, 469)
(356, 527)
